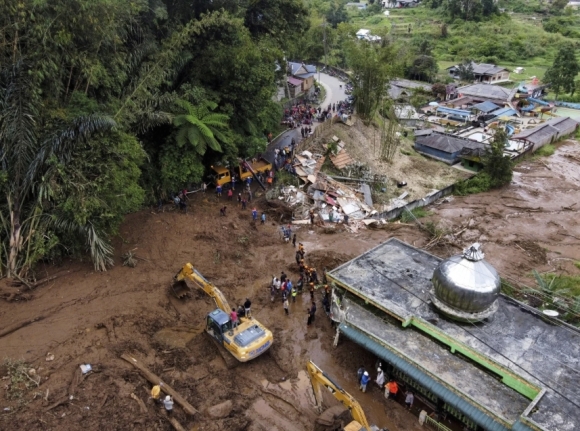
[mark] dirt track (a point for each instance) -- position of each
(94, 317)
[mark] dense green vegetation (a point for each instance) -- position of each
(524, 35)
(107, 104)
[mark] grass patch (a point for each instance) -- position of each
(577, 264)
(477, 184)
(545, 151)
(20, 379)
(564, 285)
(415, 213)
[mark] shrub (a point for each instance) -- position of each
(477, 184)
(410, 216)
(545, 151)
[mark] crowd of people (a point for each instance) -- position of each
(299, 114)
(390, 386)
(283, 289)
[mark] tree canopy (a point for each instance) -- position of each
(99, 97)
(562, 74)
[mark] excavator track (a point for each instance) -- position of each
(230, 361)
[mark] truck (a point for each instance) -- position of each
(246, 341)
(244, 170)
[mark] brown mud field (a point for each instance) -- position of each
(86, 317)
(93, 318)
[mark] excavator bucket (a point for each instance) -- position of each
(180, 289)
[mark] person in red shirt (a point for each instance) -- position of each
(391, 389)
(234, 317)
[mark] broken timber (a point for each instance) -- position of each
(155, 380)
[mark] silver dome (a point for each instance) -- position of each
(466, 287)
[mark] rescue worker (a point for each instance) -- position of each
(234, 317)
(286, 305)
(168, 404)
(391, 389)
(298, 256)
(311, 288)
(155, 393)
(294, 293)
(247, 308)
(313, 310)
(314, 275)
(364, 380)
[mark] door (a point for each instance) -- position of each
(214, 329)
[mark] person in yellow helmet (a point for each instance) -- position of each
(156, 393)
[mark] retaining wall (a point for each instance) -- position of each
(424, 201)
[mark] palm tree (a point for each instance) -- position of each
(26, 172)
(201, 127)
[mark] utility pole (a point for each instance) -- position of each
(325, 60)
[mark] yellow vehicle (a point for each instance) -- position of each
(320, 379)
(248, 340)
(244, 170)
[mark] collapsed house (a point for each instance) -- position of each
(328, 199)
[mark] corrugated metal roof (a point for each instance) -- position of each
(445, 142)
(504, 111)
(486, 106)
(426, 381)
(562, 123)
(487, 69)
(486, 91)
(453, 111)
(294, 81)
(546, 130)
(423, 132)
(306, 75)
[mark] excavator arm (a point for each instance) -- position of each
(320, 379)
(189, 273)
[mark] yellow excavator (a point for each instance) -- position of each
(248, 340)
(319, 380)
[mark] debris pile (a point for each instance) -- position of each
(339, 157)
(308, 165)
(328, 201)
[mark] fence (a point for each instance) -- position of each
(334, 71)
(434, 425)
(319, 130)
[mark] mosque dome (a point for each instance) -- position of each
(466, 287)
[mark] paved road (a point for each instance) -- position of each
(334, 94)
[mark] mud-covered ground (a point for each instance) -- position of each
(89, 317)
(531, 224)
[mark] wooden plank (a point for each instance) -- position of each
(155, 380)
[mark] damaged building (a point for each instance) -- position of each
(443, 329)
